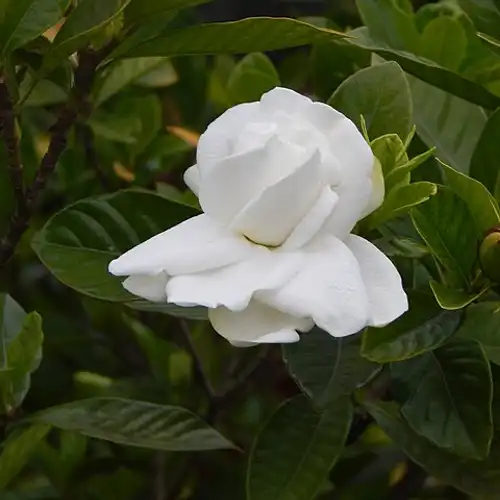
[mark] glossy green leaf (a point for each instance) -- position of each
(123, 73)
(482, 323)
(294, 452)
(450, 124)
(452, 299)
(94, 231)
(87, 19)
(476, 477)
(482, 205)
(485, 14)
(449, 397)
(17, 451)
(24, 20)
(401, 200)
(381, 94)
(423, 328)
(428, 71)
(251, 77)
(135, 423)
(326, 367)
(448, 228)
(444, 41)
(258, 34)
(485, 166)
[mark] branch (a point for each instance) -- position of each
(77, 103)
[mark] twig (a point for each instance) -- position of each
(198, 363)
(159, 490)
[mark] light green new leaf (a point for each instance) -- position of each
(476, 477)
(485, 162)
(251, 77)
(12, 317)
(23, 20)
(448, 228)
(444, 41)
(450, 392)
(401, 174)
(135, 423)
(257, 34)
(400, 201)
(296, 449)
(17, 451)
(326, 367)
(423, 328)
(452, 299)
(482, 323)
(94, 231)
(390, 151)
(381, 94)
(483, 207)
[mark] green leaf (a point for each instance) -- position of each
(482, 324)
(296, 449)
(472, 476)
(389, 23)
(381, 94)
(484, 165)
(17, 451)
(87, 19)
(12, 317)
(483, 207)
(251, 77)
(485, 15)
(423, 328)
(450, 124)
(390, 151)
(259, 34)
(444, 41)
(449, 397)
(94, 231)
(138, 10)
(426, 70)
(448, 229)
(400, 201)
(24, 20)
(120, 74)
(135, 423)
(452, 299)
(401, 174)
(326, 367)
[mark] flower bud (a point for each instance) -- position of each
(489, 254)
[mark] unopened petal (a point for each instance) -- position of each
(329, 289)
(382, 281)
(257, 324)
(195, 245)
(151, 288)
(284, 100)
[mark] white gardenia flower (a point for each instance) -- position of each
(281, 182)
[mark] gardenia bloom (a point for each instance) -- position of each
(281, 182)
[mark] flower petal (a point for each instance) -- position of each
(355, 160)
(382, 281)
(217, 140)
(148, 287)
(236, 180)
(192, 179)
(313, 221)
(282, 99)
(271, 217)
(233, 286)
(257, 324)
(195, 245)
(329, 289)
(378, 189)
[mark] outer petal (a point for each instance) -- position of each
(195, 245)
(217, 140)
(148, 287)
(329, 289)
(355, 160)
(192, 179)
(235, 181)
(257, 324)
(234, 285)
(382, 281)
(270, 218)
(282, 99)
(378, 189)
